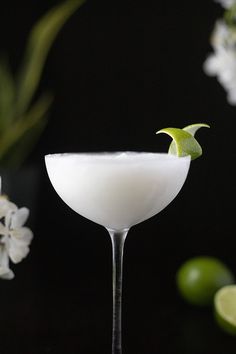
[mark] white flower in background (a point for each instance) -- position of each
(14, 237)
(5, 271)
(222, 62)
(226, 3)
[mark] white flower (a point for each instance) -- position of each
(14, 237)
(5, 271)
(226, 3)
(222, 63)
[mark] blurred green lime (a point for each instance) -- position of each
(225, 308)
(199, 278)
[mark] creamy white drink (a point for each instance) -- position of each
(117, 190)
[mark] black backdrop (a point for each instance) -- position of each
(120, 71)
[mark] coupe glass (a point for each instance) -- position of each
(117, 190)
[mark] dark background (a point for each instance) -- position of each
(120, 71)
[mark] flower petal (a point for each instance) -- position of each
(3, 229)
(5, 271)
(19, 218)
(18, 248)
(23, 234)
(6, 206)
(226, 3)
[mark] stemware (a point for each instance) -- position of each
(117, 190)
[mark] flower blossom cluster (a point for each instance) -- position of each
(15, 238)
(222, 62)
(226, 3)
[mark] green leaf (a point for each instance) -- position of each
(230, 17)
(39, 43)
(19, 151)
(7, 95)
(29, 123)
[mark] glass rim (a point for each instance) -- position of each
(118, 156)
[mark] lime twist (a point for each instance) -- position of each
(184, 143)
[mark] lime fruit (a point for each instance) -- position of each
(199, 278)
(225, 308)
(184, 143)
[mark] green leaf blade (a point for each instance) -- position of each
(7, 95)
(13, 145)
(39, 43)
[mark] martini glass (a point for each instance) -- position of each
(117, 190)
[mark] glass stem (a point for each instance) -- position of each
(118, 241)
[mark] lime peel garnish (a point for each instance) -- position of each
(184, 143)
(193, 128)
